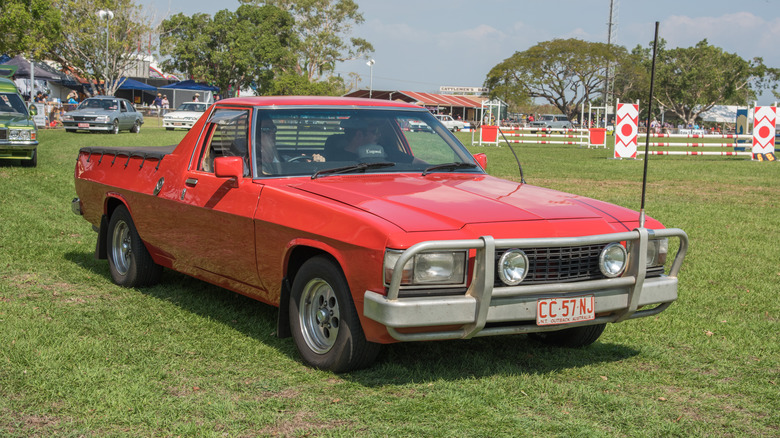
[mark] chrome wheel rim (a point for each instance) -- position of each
(115, 129)
(121, 248)
(319, 316)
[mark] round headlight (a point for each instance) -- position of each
(612, 260)
(513, 267)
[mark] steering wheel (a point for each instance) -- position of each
(307, 158)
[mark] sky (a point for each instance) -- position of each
(421, 45)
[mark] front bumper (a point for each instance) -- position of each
(485, 310)
(89, 126)
(18, 150)
(174, 123)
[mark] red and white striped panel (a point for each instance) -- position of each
(626, 130)
(764, 119)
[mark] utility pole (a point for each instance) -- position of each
(608, 79)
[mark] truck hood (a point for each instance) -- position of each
(448, 202)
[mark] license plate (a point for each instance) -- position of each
(178, 124)
(83, 125)
(552, 311)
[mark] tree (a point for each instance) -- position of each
(28, 27)
(234, 50)
(565, 73)
(690, 81)
(322, 27)
(97, 48)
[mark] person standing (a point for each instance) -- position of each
(158, 103)
(165, 104)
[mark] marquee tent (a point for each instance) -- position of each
(187, 89)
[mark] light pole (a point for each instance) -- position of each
(370, 65)
(106, 15)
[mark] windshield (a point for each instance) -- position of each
(192, 106)
(102, 104)
(12, 103)
(306, 141)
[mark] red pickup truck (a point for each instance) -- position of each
(365, 232)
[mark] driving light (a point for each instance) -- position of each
(513, 267)
(612, 260)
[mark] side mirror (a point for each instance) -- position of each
(481, 160)
(33, 110)
(229, 167)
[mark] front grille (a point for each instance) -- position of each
(83, 118)
(3, 134)
(560, 265)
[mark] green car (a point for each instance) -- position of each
(18, 134)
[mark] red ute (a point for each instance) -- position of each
(365, 230)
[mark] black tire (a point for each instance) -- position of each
(115, 127)
(136, 129)
(169, 129)
(324, 322)
(128, 260)
(574, 337)
(70, 130)
(33, 162)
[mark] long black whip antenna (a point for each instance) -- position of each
(647, 125)
(519, 166)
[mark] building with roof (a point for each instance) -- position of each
(465, 107)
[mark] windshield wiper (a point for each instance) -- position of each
(449, 166)
(355, 168)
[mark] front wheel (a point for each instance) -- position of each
(574, 337)
(128, 260)
(324, 322)
(115, 127)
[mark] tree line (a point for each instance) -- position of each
(284, 47)
(569, 73)
(271, 46)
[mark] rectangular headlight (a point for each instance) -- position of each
(656, 252)
(101, 119)
(430, 268)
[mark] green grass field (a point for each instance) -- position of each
(82, 357)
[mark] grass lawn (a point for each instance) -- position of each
(82, 357)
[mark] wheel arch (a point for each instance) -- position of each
(110, 205)
(296, 257)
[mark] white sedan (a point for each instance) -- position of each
(185, 115)
(451, 124)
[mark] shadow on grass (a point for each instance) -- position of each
(397, 363)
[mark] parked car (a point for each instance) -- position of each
(18, 133)
(185, 115)
(551, 122)
(104, 114)
(363, 233)
(451, 124)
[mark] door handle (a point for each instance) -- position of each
(191, 181)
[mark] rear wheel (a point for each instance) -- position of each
(128, 260)
(573, 337)
(324, 322)
(136, 127)
(32, 162)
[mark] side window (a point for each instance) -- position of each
(123, 106)
(228, 134)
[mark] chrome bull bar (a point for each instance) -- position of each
(483, 303)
